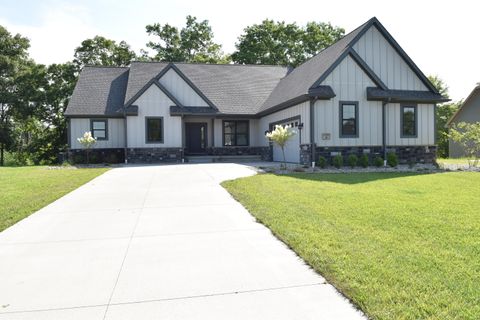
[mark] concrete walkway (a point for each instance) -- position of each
(157, 242)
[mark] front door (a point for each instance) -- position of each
(195, 137)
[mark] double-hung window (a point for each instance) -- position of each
(99, 129)
(348, 119)
(154, 130)
(408, 118)
(235, 133)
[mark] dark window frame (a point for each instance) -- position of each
(340, 119)
(415, 110)
(235, 134)
(162, 123)
(105, 121)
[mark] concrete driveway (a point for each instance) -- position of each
(157, 242)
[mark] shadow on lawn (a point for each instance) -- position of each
(354, 178)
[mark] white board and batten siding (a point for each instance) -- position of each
(181, 90)
(116, 133)
(154, 103)
(349, 82)
(425, 126)
(385, 61)
(292, 149)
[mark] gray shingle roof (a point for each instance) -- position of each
(100, 91)
(299, 81)
(234, 89)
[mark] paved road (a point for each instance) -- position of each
(156, 242)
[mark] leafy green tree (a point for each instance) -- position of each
(281, 43)
(104, 52)
(193, 43)
(468, 136)
(13, 59)
(444, 112)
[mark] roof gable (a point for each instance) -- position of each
(473, 97)
(182, 88)
(313, 72)
(385, 57)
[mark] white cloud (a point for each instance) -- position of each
(61, 29)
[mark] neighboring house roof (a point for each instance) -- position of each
(464, 104)
(257, 89)
(100, 91)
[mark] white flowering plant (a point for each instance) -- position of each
(87, 141)
(280, 136)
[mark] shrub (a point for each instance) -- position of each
(378, 161)
(392, 159)
(337, 161)
(363, 161)
(322, 162)
(352, 160)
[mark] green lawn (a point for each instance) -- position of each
(400, 246)
(24, 190)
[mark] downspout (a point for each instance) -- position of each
(384, 132)
(182, 126)
(125, 135)
(312, 130)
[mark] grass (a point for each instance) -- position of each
(24, 190)
(400, 246)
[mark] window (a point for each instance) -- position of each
(99, 129)
(348, 119)
(154, 130)
(235, 133)
(409, 121)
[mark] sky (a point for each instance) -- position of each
(440, 36)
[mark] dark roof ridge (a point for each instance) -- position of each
(102, 66)
(218, 64)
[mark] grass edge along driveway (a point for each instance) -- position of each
(25, 190)
(400, 246)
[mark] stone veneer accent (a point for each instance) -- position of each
(265, 152)
(405, 154)
(154, 155)
(110, 155)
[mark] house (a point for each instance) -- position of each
(468, 112)
(362, 94)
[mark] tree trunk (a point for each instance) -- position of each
(284, 160)
(87, 151)
(1, 155)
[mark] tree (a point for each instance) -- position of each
(281, 43)
(280, 136)
(87, 141)
(104, 52)
(468, 136)
(13, 58)
(444, 112)
(193, 43)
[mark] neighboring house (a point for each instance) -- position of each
(469, 112)
(362, 94)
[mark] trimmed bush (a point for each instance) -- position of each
(322, 162)
(411, 162)
(392, 159)
(378, 161)
(337, 161)
(363, 161)
(352, 160)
